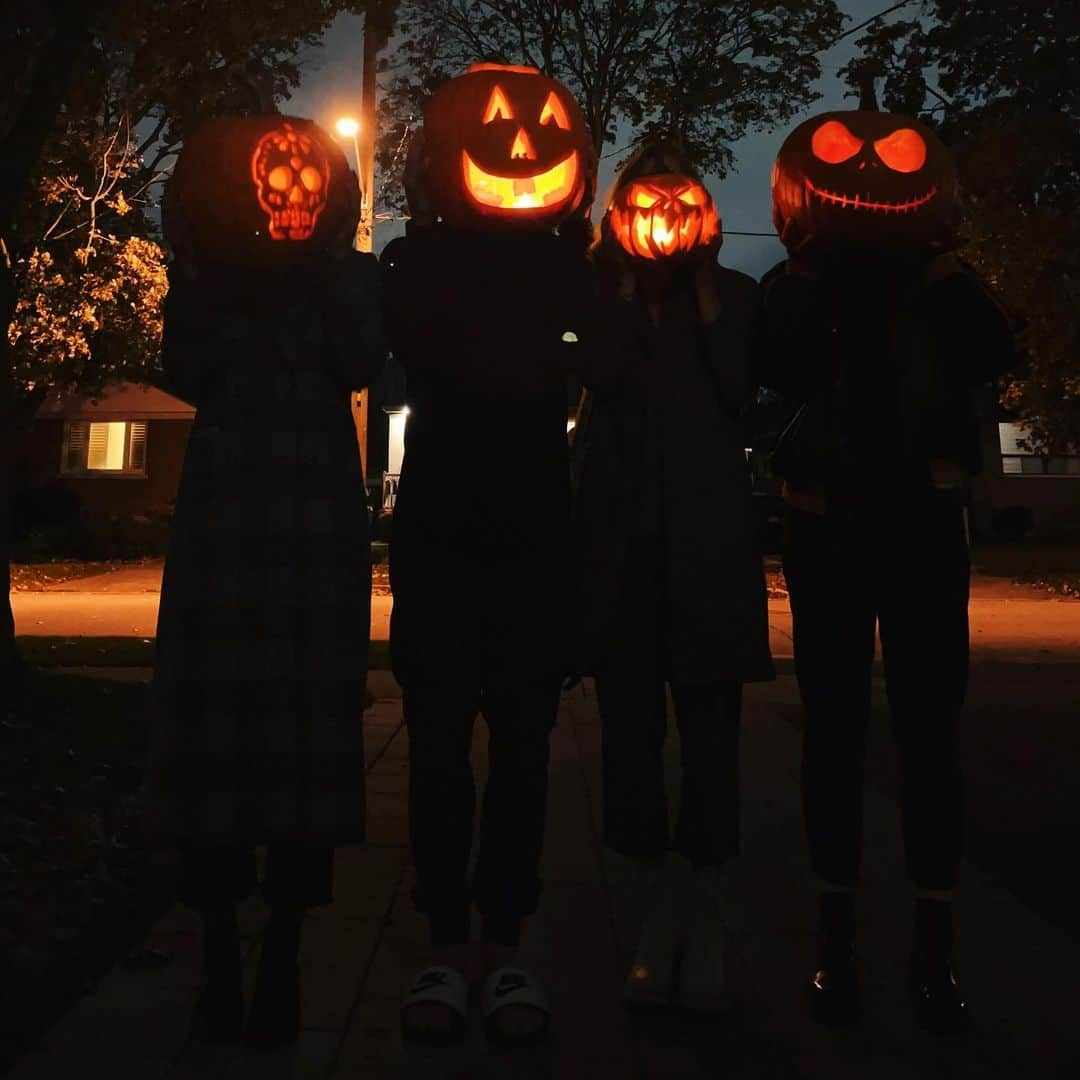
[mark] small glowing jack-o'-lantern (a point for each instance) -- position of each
(506, 147)
(663, 217)
(266, 189)
(292, 175)
(864, 179)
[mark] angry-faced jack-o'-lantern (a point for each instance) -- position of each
(864, 179)
(664, 216)
(267, 189)
(506, 147)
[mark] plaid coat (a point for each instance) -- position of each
(263, 628)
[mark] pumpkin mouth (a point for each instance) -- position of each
(548, 188)
(858, 202)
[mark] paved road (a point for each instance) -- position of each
(1008, 622)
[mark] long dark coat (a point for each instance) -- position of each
(666, 532)
(265, 607)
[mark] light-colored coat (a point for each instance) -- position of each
(661, 470)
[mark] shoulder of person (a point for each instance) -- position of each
(736, 284)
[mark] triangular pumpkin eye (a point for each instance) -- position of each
(554, 112)
(498, 108)
(833, 143)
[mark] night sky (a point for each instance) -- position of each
(331, 88)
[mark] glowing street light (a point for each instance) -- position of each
(348, 127)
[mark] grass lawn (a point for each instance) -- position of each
(78, 885)
(27, 577)
(1050, 564)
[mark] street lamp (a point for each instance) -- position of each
(349, 128)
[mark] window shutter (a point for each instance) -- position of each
(97, 456)
(76, 434)
(137, 446)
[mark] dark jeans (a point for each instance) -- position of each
(442, 803)
(906, 568)
(634, 713)
(212, 875)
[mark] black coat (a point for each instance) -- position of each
(662, 468)
(885, 353)
(481, 523)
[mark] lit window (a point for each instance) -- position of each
(1017, 459)
(105, 448)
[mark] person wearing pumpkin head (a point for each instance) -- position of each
(270, 323)
(670, 582)
(881, 337)
(483, 307)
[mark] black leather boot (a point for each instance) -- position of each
(219, 1011)
(834, 988)
(274, 1019)
(936, 997)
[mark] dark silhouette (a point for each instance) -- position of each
(881, 345)
(265, 609)
(477, 320)
(670, 582)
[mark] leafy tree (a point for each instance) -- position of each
(999, 79)
(80, 275)
(709, 70)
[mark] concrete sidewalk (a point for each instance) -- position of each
(360, 952)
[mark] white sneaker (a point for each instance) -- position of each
(702, 976)
(650, 980)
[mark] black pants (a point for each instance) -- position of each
(442, 803)
(905, 567)
(297, 874)
(634, 713)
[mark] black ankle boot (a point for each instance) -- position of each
(936, 996)
(219, 1011)
(274, 1019)
(834, 988)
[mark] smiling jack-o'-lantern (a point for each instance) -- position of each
(864, 179)
(663, 216)
(506, 147)
(263, 188)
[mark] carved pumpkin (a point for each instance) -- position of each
(864, 179)
(506, 147)
(663, 216)
(263, 188)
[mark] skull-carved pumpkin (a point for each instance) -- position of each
(292, 175)
(506, 147)
(264, 188)
(663, 216)
(864, 179)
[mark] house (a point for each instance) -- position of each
(117, 455)
(1038, 490)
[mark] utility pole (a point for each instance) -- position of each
(366, 229)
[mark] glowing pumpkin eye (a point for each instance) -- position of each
(280, 178)
(642, 198)
(554, 112)
(833, 143)
(693, 196)
(903, 151)
(498, 108)
(311, 178)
